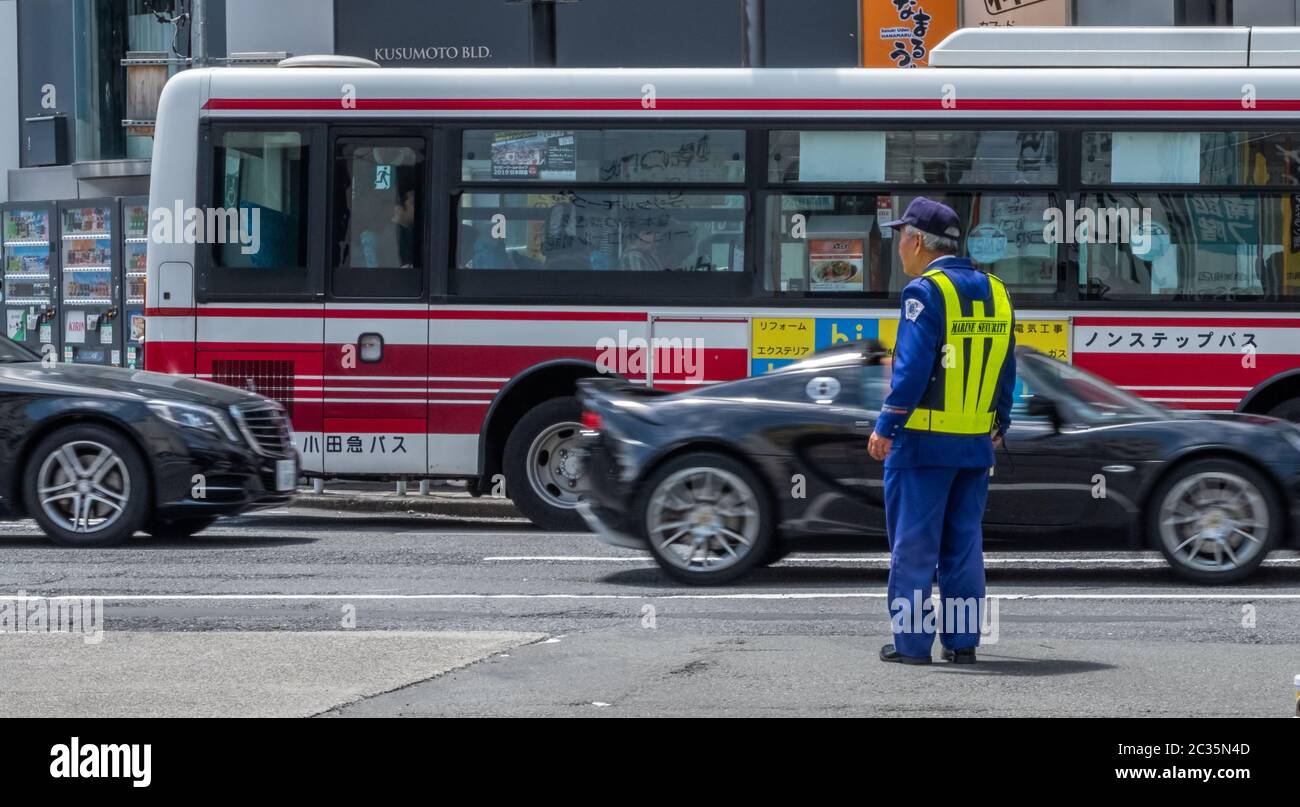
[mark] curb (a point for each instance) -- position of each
(461, 505)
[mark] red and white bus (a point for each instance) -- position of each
(443, 253)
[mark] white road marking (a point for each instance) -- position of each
(857, 559)
(790, 595)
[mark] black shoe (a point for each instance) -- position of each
(965, 655)
(888, 653)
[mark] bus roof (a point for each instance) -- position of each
(1225, 73)
(1119, 47)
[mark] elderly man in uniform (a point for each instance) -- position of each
(949, 405)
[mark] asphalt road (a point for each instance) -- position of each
(299, 612)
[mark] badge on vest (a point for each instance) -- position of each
(912, 309)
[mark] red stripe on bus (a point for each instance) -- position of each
(403, 313)
(755, 104)
(574, 316)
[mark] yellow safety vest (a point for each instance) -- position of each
(959, 399)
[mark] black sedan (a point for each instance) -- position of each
(720, 480)
(96, 453)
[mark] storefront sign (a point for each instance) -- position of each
(985, 13)
(901, 33)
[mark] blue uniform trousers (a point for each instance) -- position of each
(932, 516)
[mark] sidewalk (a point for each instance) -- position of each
(443, 499)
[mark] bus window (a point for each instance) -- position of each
(964, 157)
(833, 242)
(603, 155)
(1204, 246)
(1191, 158)
(579, 230)
(261, 176)
(379, 214)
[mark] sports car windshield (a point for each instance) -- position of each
(1087, 397)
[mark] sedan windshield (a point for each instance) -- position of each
(11, 352)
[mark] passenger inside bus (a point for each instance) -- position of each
(562, 244)
(380, 209)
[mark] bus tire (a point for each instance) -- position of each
(543, 472)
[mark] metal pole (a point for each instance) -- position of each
(199, 33)
(543, 24)
(752, 24)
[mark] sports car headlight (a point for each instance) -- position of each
(195, 416)
(1292, 436)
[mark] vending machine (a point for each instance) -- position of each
(30, 262)
(135, 241)
(89, 292)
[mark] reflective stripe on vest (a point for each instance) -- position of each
(967, 389)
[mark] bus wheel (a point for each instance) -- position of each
(543, 468)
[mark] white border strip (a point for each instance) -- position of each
(794, 595)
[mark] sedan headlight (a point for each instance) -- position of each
(196, 416)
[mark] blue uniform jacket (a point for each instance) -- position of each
(917, 353)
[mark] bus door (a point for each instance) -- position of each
(376, 311)
(260, 317)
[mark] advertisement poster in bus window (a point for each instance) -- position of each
(543, 155)
(835, 264)
(901, 33)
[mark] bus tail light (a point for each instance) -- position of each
(591, 421)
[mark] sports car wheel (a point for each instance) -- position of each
(706, 518)
(1215, 520)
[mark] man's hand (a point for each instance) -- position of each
(997, 442)
(879, 446)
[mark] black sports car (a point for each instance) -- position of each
(96, 453)
(719, 480)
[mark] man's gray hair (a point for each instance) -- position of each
(932, 242)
